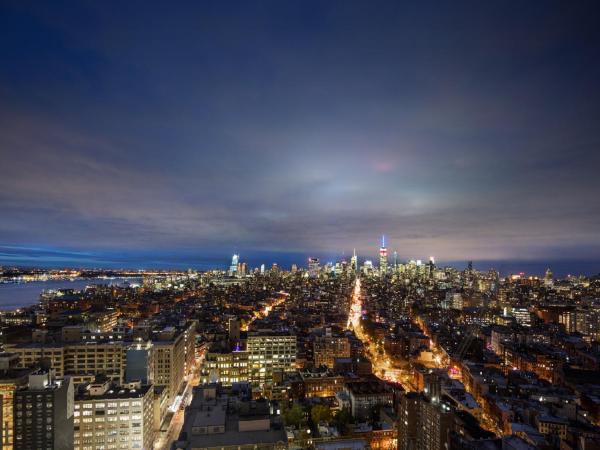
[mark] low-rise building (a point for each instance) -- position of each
(219, 419)
(365, 395)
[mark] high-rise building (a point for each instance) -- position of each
(408, 413)
(383, 261)
(11, 379)
(548, 278)
(174, 357)
(424, 423)
(313, 267)
(354, 262)
(43, 413)
(431, 267)
(233, 268)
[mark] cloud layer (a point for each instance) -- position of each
(467, 132)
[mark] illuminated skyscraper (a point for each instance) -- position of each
(354, 262)
(383, 257)
(234, 264)
(313, 267)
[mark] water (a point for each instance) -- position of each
(13, 296)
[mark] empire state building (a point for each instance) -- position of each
(383, 261)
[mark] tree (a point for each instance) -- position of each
(294, 416)
(342, 419)
(320, 413)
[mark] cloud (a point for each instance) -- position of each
(295, 130)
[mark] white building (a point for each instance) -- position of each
(108, 417)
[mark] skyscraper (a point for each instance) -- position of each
(548, 278)
(313, 267)
(234, 264)
(354, 262)
(383, 257)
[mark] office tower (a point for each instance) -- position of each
(294, 268)
(110, 416)
(139, 363)
(354, 262)
(43, 413)
(233, 268)
(431, 266)
(242, 269)
(268, 352)
(383, 257)
(548, 278)
(313, 267)
(262, 269)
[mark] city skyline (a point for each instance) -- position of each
(464, 131)
(316, 225)
(53, 259)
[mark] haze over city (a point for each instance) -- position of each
(171, 136)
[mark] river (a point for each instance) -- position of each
(19, 295)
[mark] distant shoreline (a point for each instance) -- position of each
(26, 294)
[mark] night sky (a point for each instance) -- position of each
(141, 133)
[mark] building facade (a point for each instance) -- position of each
(109, 417)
